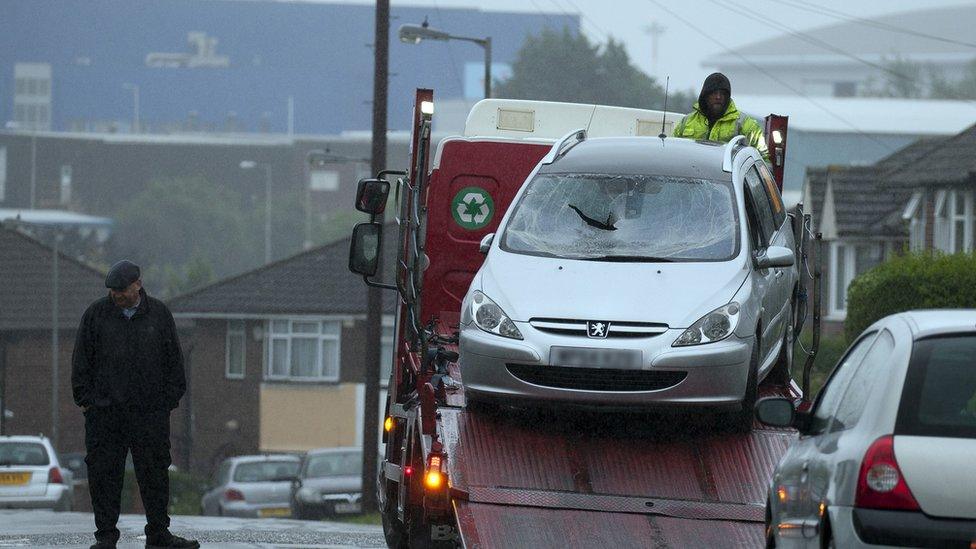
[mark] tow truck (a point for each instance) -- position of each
(457, 475)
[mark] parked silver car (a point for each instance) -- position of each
(635, 271)
(252, 486)
(886, 455)
(30, 475)
(329, 483)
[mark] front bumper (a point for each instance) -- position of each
(330, 504)
(715, 374)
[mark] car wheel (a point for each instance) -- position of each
(393, 530)
(741, 421)
(782, 372)
(770, 536)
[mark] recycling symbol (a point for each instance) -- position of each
(472, 208)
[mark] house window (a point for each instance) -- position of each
(234, 368)
(304, 350)
(915, 213)
(847, 261)
(961, 227)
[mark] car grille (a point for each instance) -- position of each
(596, 379)
(631, 330)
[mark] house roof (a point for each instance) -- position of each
(867, 198)
(314, 282)
(26, 279)
(871, 41)
(953, 162)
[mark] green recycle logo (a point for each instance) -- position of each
(472, 208)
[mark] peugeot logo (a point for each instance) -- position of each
(597, 329)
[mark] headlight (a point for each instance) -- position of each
(714, 326)
(491, 318)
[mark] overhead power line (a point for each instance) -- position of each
(770, 75)
(744, 11)
(849, 18)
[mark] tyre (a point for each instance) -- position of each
(741, 421)
(782, 372)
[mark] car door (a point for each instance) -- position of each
(783, 236)
(794, 507)
(761, 231)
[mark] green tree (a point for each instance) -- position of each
(906, 79)
(566, 66)
(176, 225)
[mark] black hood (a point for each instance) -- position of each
(715, 81)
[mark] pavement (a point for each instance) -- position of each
(37, 528)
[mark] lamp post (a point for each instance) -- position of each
(415, 34)
(250, 165)
(136, 126)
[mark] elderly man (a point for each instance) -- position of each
(127, 374)
(716, 118)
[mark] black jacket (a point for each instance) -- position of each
(121, 361)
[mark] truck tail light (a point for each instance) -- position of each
(233, 495)
(434, 479)
(54, 476)
(881, 485)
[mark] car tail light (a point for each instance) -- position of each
(54, 476)
(233, 495)
(881, 484)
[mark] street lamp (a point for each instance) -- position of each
(415, 34)
(250, 165)
(136, 127)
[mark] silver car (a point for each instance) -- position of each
(886, 454)
(635, 271)
(31, 476)
(329, 483)
(252, 486)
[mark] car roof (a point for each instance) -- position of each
(24, 438)
(644, 155)
(929, 322)
(264, 457)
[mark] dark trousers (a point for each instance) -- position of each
(111, 433)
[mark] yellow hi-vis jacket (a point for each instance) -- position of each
(731, 124)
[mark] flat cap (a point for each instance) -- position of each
(121, 275)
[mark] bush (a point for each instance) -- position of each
(185, 491)
(912, 281)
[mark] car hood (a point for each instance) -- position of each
(676, 294)
(334, 485)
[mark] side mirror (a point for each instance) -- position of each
(364, 250)
(776, 412)
(371, 195)
(486, 243)
(775, 256)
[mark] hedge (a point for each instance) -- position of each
(911, 281)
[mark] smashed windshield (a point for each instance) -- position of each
(604, 217)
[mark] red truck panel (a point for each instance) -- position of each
(497, 167)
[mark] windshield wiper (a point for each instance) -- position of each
(608, 226)
(630, 259)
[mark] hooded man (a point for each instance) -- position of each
(716, 118)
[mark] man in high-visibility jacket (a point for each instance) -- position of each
(716, 118)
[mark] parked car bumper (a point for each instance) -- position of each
(326, 505)
(256, 510)
(56, 497)
(712, 375)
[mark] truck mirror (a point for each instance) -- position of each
(371, 195)
(775, 411)
(486, 243)
(775, 256)
(364, 250)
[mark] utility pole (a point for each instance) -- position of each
(374, 299)
(55, 341)
(655, 29)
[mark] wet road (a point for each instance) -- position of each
(48, 529)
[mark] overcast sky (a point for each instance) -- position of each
(681, 48)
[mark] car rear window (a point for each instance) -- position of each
(29, 454)
(338, 464)
(264, 471)
(939, 397)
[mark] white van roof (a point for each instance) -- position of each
(547, 121)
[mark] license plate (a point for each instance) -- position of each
(347, 507)
(15, 479)
(275, 512)
(587, 357)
